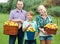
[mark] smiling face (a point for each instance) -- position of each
(19, 5)
(29, 15)
(41, 10)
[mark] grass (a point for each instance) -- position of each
(4, 39)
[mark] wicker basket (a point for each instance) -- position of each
(51, 31)
(10, 30)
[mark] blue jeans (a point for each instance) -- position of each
(12, 38)
(30, 42)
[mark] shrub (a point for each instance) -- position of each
(4, 7)
(54, 11)
(32, 4)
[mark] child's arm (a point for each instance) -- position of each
(42, 30)
(25, 28)
(36, 34)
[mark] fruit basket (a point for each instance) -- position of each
(10, 28)
(50, 31)
(51, 28)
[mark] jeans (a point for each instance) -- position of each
(20, 36)
(46, 37)
(30, 42)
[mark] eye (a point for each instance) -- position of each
(40, 10)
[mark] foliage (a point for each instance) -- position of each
(4, 7)
(54, 11)
(50, 3)
(13, 6)
(30, 5)
(56, 2)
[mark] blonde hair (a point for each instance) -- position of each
(42, 7)
(31, 13)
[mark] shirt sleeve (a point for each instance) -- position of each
(25, 15)
(11, 15)
(36, 27)
(24, 25)
(37, 21)
(50, 19)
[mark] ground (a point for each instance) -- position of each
(4, 38)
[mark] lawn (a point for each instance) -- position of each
(4, 38)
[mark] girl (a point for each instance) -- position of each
(42, 19)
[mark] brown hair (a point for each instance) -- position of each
(31, 13)
(19, 1)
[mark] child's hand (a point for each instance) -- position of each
(21, 20)
(44, 32)
(36, 35)
(29, 25)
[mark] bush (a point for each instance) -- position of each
(32, 4)
(4, 7)
(28, 5)
(50, 3)
(55, 11)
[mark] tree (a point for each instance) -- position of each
(50, 3)
(32, 4)
(14, 4)
(56, 2)
(10, 4)
(28, 4)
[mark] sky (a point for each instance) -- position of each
(3, 1)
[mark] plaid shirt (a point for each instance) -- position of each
(41, 22)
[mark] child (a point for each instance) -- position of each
(30, 29)
(42, 19)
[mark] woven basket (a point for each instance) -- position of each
(10, 30)
(51, 31)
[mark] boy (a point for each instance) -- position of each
(30, 29)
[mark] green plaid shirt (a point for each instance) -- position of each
(41, 23)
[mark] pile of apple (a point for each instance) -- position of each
(51, 26)
(11, 23)
(31, 29)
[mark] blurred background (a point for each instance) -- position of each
(53, 8)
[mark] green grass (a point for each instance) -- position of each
(4, 38)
